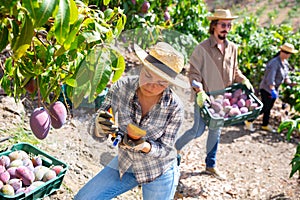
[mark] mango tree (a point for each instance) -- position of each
(51, 43)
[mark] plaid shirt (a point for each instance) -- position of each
(161, 123)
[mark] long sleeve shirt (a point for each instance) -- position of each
(161, 124)
(276, 72)
(212, 68)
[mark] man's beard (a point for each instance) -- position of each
(222, 37)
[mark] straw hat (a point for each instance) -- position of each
(164, 61)
(221, 14)
(288, 48)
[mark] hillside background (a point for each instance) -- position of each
(268, 11)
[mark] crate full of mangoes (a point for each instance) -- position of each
(230, 106)
(28, 173)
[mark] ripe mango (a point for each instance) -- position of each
(25, 174)
(4, 177)
(4, 161)
(50, 174)
(16, 163)
(57, 169)
(37, 161)
(8, 190)
(39, 172)
(2, 169)
(12, 172)
(40, 123)
(58, 114)
(16, 183)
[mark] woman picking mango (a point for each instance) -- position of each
(150, 115)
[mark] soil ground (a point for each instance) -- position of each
(256, 163)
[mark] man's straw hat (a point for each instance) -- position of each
(221, 14)
(288, 48)
(164, 61)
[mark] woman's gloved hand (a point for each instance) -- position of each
(104, 125)
(137, 145)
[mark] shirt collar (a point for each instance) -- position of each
(213, 41)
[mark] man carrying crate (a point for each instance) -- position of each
(213, 66)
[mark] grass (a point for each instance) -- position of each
(17, 134)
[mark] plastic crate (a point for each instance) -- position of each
(46, 189)
(216, 122)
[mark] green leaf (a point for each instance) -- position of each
(120, 25)
(25, 38)
(74, 12)
(119, 69)
(79, 93)
(3, 38)
(91, 36)
(71, 82)
(62, 20)
(44, 11)
(8, 66)
(102, 72)
(106, 2)
(285, 124)
(295, 168)
(298, 124)
(74, 30)
(31, 6)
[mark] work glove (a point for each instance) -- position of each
(274, 94)
(104, 125)
(201, 98)
(136, 145)
(247, 83)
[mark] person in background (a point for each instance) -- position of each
(276, 73)
(150, 115)
(213, 66)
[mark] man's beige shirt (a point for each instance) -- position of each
(212, 68)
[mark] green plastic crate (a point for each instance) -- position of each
(216, 122)
(46, 189)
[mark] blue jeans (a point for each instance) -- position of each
(107, 184)
(196, 131)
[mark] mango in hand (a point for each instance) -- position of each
(135, 132)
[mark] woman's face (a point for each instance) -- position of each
(151, 84)
(285, 55)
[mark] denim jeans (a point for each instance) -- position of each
(107, 184)
(196, 131)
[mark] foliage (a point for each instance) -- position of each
(296, 162)
(189, 17)
(292, 125)
(185, 20)
(291, 94)
(258, 44)
(137, 16)
(50, 41)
